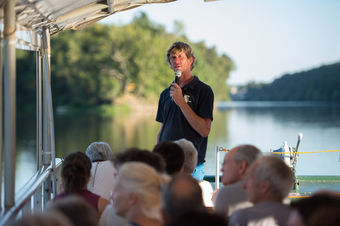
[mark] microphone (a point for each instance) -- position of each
(177, 76)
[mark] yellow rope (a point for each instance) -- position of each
(292, 152)
(304, 152)
(223, 149)
(298, 196)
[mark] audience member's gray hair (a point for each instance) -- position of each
(190, 155)
(247, 153)
(99, 151)
(277, 173)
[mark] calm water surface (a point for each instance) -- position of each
(264, 124)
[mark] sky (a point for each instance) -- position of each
(265, 38)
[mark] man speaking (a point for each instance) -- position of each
(185, 109)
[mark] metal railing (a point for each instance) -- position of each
(32, 196)
(217, 175)
(289, 153)
(37, 191)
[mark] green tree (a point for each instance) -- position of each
(96, 65)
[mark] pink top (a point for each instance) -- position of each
(90, 197)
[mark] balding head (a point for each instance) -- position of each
(236, 162)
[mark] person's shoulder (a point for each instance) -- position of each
(107, 163)
(233, 187)
(166, 90)
(205, 183)
(203, 87)
(105, 167)
(238, 216)
(201, 83)
(244, 213)
(87, 193)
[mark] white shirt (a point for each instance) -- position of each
(207, 192)
(101, 180)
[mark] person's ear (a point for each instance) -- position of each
(133, 199)
(191, 60)
(182, 169)
(243, 167)
(265, 186)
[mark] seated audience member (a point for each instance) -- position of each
(41, 219)
(322, 208)
(198, 218)
(190, 162)
(267, 182)
(109, 216)
(181, 195)
(137, 155)
(137, 194)
(173, 156)
(75, 174)
(102, 171)
(232, 196)
(76, 209)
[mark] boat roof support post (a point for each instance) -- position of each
(1, 107)
(38, 110)
(48, 121)
(110, 4)
(9, 102)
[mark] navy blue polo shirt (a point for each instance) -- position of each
(200, 98)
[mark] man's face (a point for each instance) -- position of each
(252, 186)
(230, 169)
(180, 62)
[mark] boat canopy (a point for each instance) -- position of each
(57, 15)
(28, 25)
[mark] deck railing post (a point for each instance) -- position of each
(38, 110)
(1, 106)
(9, 102)
(48, 121)
(217, 176)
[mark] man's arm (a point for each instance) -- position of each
(201, 125)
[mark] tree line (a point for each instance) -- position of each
(101, 63)
(319, 84)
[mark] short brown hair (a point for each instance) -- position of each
(181, 46)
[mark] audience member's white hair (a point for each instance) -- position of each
(248, 153)
(278, 174)
(190, 154)
(99, 151)
(146, 183)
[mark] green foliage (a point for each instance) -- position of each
(320, 84)
(97, 65)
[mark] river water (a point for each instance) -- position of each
(264, 124)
